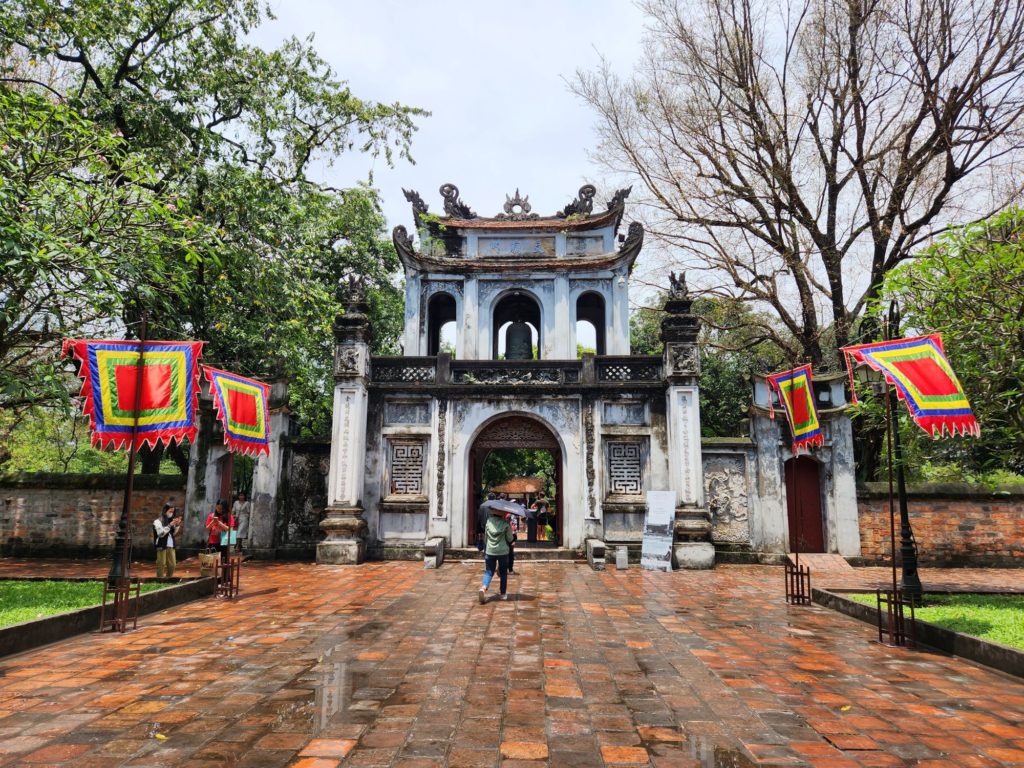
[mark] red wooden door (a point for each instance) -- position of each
(803, 505)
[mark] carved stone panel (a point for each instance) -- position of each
(683, 360)
(725, 489)
(516, 432)
(625, 412)
(406, 467)
(599, 285)
(406, 412)
(625, 468)
(490, 247)
(349, 360)
(584, 246)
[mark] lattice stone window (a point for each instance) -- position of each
(407, 461)
(625, 468)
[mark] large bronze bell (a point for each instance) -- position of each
(519, 342)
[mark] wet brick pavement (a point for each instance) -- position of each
(387, 664)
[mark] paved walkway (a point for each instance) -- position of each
(386, 664)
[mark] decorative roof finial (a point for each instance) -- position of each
(619, 198)
(419, 208)
(677, 286)
(517, 208)
(453, 206)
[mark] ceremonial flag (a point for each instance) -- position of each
(924, 380)
(170, 388)
(796, 393)
(241, 405)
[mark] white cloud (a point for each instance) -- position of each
(493, 75)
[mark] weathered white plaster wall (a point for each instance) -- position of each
(562, 416)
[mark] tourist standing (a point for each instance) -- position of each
(240, 509)
(219, 524)
(497, 538)
(164, 529)
(228, 533)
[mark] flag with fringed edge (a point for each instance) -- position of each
(796, 394)
(170, 390)
(242, 409)
(924, 380)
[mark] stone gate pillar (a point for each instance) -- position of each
(343, 518)
(679, 329)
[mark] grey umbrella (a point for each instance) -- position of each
(501, 505)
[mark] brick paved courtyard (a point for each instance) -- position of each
(386, 664)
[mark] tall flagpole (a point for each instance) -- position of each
(121, 563)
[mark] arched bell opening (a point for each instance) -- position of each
(591, 323)
(516, 327)
(441, 313)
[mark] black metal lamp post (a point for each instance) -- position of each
(910, 583)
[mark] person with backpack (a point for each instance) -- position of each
(497, 541)
(164, 529)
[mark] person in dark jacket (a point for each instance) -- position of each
(165, 528)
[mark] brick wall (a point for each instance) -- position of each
(76, 515)
(953, 524)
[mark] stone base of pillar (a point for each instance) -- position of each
(346, 537)
(340, 552)
(693, 549)
(693, 555)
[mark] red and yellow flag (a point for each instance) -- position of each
(110, 380)
(796, 393)
(242, 409)
(924, 380)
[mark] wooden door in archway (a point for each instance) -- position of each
(512, 431)
(803, 505)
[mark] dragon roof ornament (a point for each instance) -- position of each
(583, 205)
(453, 205)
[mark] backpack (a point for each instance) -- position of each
(158, 540)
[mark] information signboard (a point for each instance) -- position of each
(656, 554)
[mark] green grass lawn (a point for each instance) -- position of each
(999, 618)
(29, 600)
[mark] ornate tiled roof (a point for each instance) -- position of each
(517, 212)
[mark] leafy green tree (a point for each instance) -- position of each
(969, 286)
(51, 441)
(732, 347)
(230, 132)
(78, 222)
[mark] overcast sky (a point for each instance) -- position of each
(492, 74)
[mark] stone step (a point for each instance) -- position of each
(561, 554)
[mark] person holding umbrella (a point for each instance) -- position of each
(497, 540)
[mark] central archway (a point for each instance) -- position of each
(513, 431)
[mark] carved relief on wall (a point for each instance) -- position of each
(588, 428)
(406, 465)
(683, 360)
(348, 361)
(490, 287)
(430, 287)
(625, 468)
(598, 285)
(725, 488)
(344, 439)
(406, 412)
(442, 416)
(516, 432)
